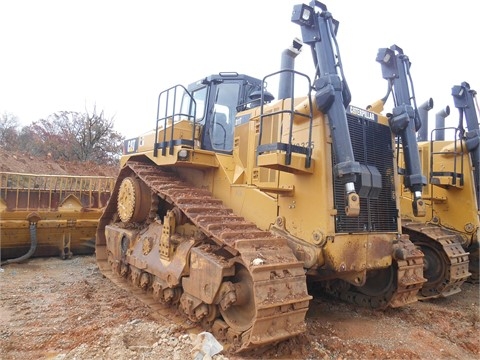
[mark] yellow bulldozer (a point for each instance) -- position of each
(238, 206)
(50, 215)
(449, 234)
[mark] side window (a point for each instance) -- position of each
(200, 97)
(225, 110)
(222, 131)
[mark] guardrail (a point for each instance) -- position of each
(48, 192)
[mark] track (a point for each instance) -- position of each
(446, 262)
(393, 287)
(474, 266)
(262, 302)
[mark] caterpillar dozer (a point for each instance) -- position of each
(449, 234)
(237, 206)
(50, 215)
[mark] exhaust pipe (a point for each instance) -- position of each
(423, 112)
(285, 87)
(440, 123)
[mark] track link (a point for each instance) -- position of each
(446, 262)
(406, 280)
(474, 267)
(277, 279)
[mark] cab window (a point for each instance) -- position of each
(225, 109)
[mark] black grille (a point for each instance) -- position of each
(371, 146)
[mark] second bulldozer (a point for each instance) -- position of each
(449, 234)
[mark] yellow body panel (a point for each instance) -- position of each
(293, 199)
(449, 203)
(65, 211)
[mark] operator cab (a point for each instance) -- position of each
(216, 101)
(211, 105)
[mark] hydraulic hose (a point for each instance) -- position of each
(31, 251)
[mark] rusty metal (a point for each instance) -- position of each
(65, 209)
(394, 286)
(474, 266)
(242, 283)
(446, 262)
(132, 194)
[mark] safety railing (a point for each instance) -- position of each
(48, 192)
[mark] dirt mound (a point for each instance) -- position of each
(21, 163)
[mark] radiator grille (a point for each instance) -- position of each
(371, 146)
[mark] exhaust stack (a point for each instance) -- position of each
(285, 87)
(440, 123)
(423, 112)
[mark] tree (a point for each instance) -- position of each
(75, 136)
(30, 141)
(8, 131)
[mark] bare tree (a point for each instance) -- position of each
(29, 141)
(75, 136)
(9, 125)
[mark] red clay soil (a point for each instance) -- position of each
(22, 163)
(65, 309)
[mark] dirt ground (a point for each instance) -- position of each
(65, 309)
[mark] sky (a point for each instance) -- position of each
(117, 55)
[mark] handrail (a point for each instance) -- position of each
(289, 147)
(33, 192)
(455, 152)
(168, 101)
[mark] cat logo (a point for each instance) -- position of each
(131, 146)
(362, 113)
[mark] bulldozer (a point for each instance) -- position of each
(449, 234)
(50, 215)
(238, 206)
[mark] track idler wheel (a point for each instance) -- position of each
(378, 288)
(134, 200)
(241, 315)
(435, 269)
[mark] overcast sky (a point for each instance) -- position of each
(118, 55)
